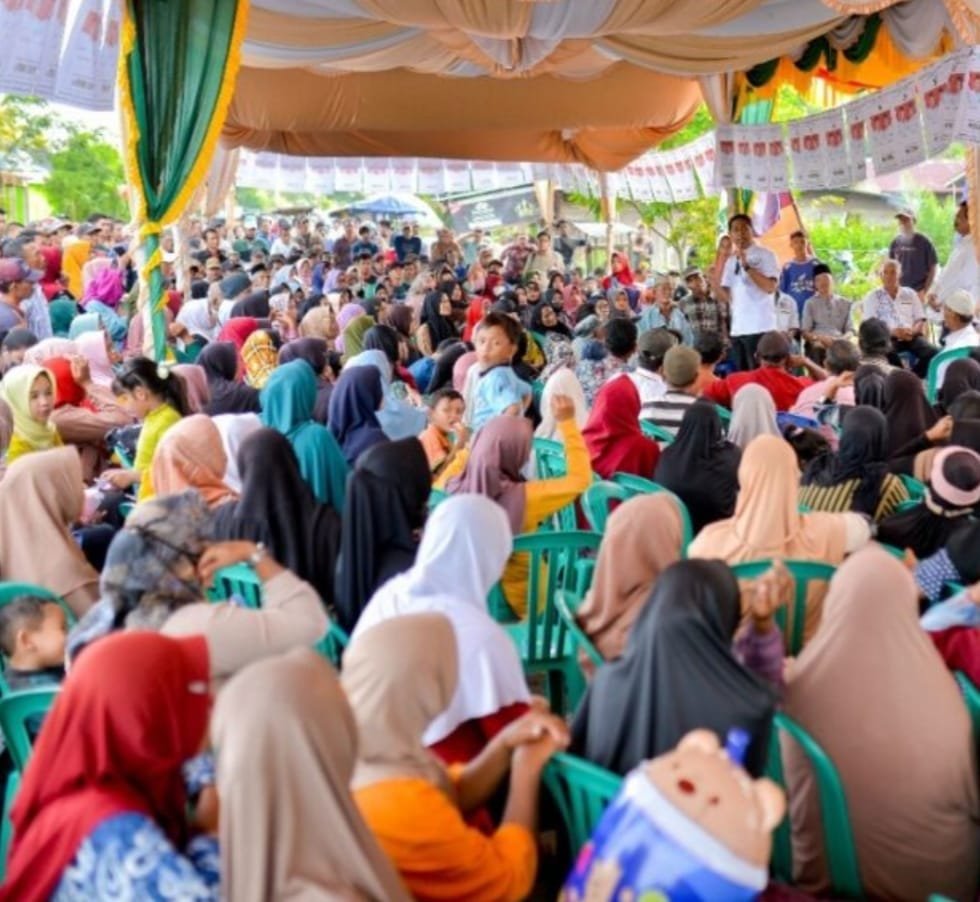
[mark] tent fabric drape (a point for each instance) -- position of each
(176, 78)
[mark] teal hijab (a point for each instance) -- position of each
(287, 403)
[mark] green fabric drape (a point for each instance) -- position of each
(178, 66)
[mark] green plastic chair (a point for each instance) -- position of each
(893, 550)
(725, 415)
(938, 362)
(11, 590)
(582, 791)
(238, 580)
(436, 497)
(568, 605)
(122, 455)
(332, 645)
(842, 864)
(557, 561)
(550, 463)
(637, 485)
(916, 489)
(971, 695)
(657, 433)
(596, 500)
(804, 573)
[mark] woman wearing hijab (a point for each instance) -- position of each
(613, 436)
(753, 414)
(767, 522)
(314, 351)
(254, 304)
(869, 386)
(952, 494)
(562, 381)
(397, 417)
(907, 411)
(288, 400)
(701, 466)
(41, 497)
(442, 372)
(549, 331)
(961, 376)
(320, 322)
(464, 548)
(227, 394)
(856, 478)
(260, 357)
(401, 318)
(195, 385)
(354, 332)
(436, 322)
(47, 348)
(191, 456)
(238, 330)
(354, 405)
(348, 313)
(234, 429)
(102, 808)
(29, 392)
(399, 676)
(277, 508)
(102, 296)
(643, 538)
(286, 745)
(678, 673)
(95, 348)
(385, 511)
(902, 743)
(497, 458)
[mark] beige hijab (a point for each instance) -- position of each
(874, 692)
(286, 746)
(643, 537)
(41, 495)
(398, 676)
(191, 455)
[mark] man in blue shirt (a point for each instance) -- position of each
(407, 243)
(796, 279)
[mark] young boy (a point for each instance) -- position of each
(446, 434)
(495, 388)
(32, 639)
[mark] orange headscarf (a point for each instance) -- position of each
(191, 456)
(73, 258)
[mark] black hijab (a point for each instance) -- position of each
(255, 305)
(906, 409)
(962, 550)
(931, 524)
(559, 328)
(219, 360)
(701, 467)
(353, 411)
(961, 376)
(383, 514)
(383, 339)
(869, 387)
(277, 508)
(314, 352)
(678, 673)
(861, 455)
(440, 327)
(442, 375)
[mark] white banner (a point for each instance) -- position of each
(967, 127)
(29, 65)
(86, 74)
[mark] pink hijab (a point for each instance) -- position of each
(106, 285)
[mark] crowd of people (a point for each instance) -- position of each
(356, 414)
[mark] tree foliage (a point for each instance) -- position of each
(86, 174)
(25, 123)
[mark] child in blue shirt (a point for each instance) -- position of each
(495, 388)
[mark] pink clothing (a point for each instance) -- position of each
(809, 398)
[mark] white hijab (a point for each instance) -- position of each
(562, 381)
(753, 414)
(462, 555)
(234, 429)
(196, 316)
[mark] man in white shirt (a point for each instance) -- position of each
(962, 270)
(900, 309)
(748, 284)
(959, 311)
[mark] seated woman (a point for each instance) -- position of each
(260, 356)
(463, 551)
(562, 381)
(679, 672)
(277, 507)
(499, 454)
(643, 537)
(228, 394)
(192, 456)
(315, 352)
(98, 350)
(960, 426)
(753, 414)
(856, 478)
(288, 400)
(155, 578)
(29, 392)
(102, 295)
(41, 497)
(398, 417)
(353, 413)
(285, 738)
(399, 676)
(613, 436)
(385, 510)
(103, 789)
(150, 393)
(701, 466)
(952, 495)
(909, 416)
(436, 322)
(871, 690)
(195, 385)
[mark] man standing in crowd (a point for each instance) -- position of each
(565, 244)
(406, 244)
(364, 244)
(748, 283)
(796, 279)
(901, 310)
(703, 312)
(212, 246)
(962, 269)
(915, 253)
(343, 247)
(544, 259)
(826, 316)
(514, 257)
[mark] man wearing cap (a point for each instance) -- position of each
(650, 350)
(681, 370)
(900, 308)
(796, 278)
(748, 283)
(959, 311)
(826, 315)
(962, 269)
(213, 270)
(17, 281)
(915, 253)
(703, 312)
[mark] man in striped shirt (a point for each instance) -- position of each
(681, 369)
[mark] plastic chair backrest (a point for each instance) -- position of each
(637, 485)
(657, 433)
(916, 489)
(582, 791)
(550, 463)
(568, 605)
(19, 711)
(971, 695)
(838, 837)
(803, 572)
(239, 581)
(938, 363)
(725, 415)
(596, 500)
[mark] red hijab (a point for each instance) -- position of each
(474, 313)
(67, 391)
(612, 433)
(238, 329)
(51, 280)
(133, 709)
(623, 277)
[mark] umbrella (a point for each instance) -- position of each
(402, 206)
